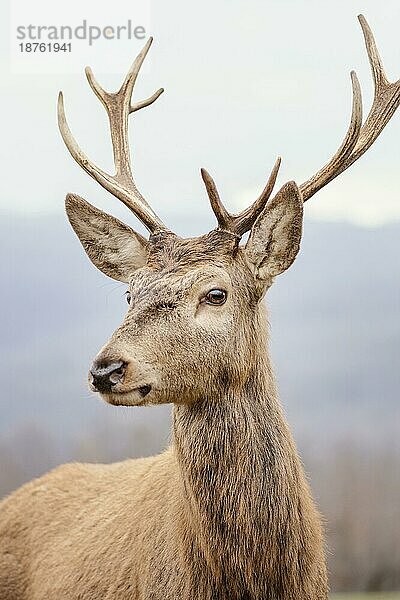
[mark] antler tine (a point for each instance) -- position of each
(118, 106)
(223, 217)
(360, 136)
(239, 224)
(245, 220)
(375, 60)
(386, 97)
(332, 168)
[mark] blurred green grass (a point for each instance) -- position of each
(377, 596)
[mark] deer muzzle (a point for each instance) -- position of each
(105, 375)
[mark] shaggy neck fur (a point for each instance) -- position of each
(246, 500)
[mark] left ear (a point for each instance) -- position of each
(275, 236)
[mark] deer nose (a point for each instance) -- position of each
(105, 374)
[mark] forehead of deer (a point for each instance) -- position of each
(149, 285)
(169, 252)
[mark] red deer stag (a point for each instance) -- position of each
(226, 512)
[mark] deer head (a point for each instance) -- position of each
(194, 304)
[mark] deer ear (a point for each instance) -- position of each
(112, 246)
(275, 236)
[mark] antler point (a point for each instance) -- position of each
(60, 108)
(208, 180)
(354, 77)
(147, 45)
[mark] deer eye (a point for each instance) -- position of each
(216, 297)
(128, 297)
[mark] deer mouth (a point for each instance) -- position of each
(137, 396)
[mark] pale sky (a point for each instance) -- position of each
(244, 82)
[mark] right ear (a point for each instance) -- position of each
(275, 237)
(112, 246)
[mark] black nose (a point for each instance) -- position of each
(105, 374)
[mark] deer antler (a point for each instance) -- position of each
(360, 137)
(239, 224)
(118, 106)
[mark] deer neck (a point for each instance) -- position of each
(245, 496)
